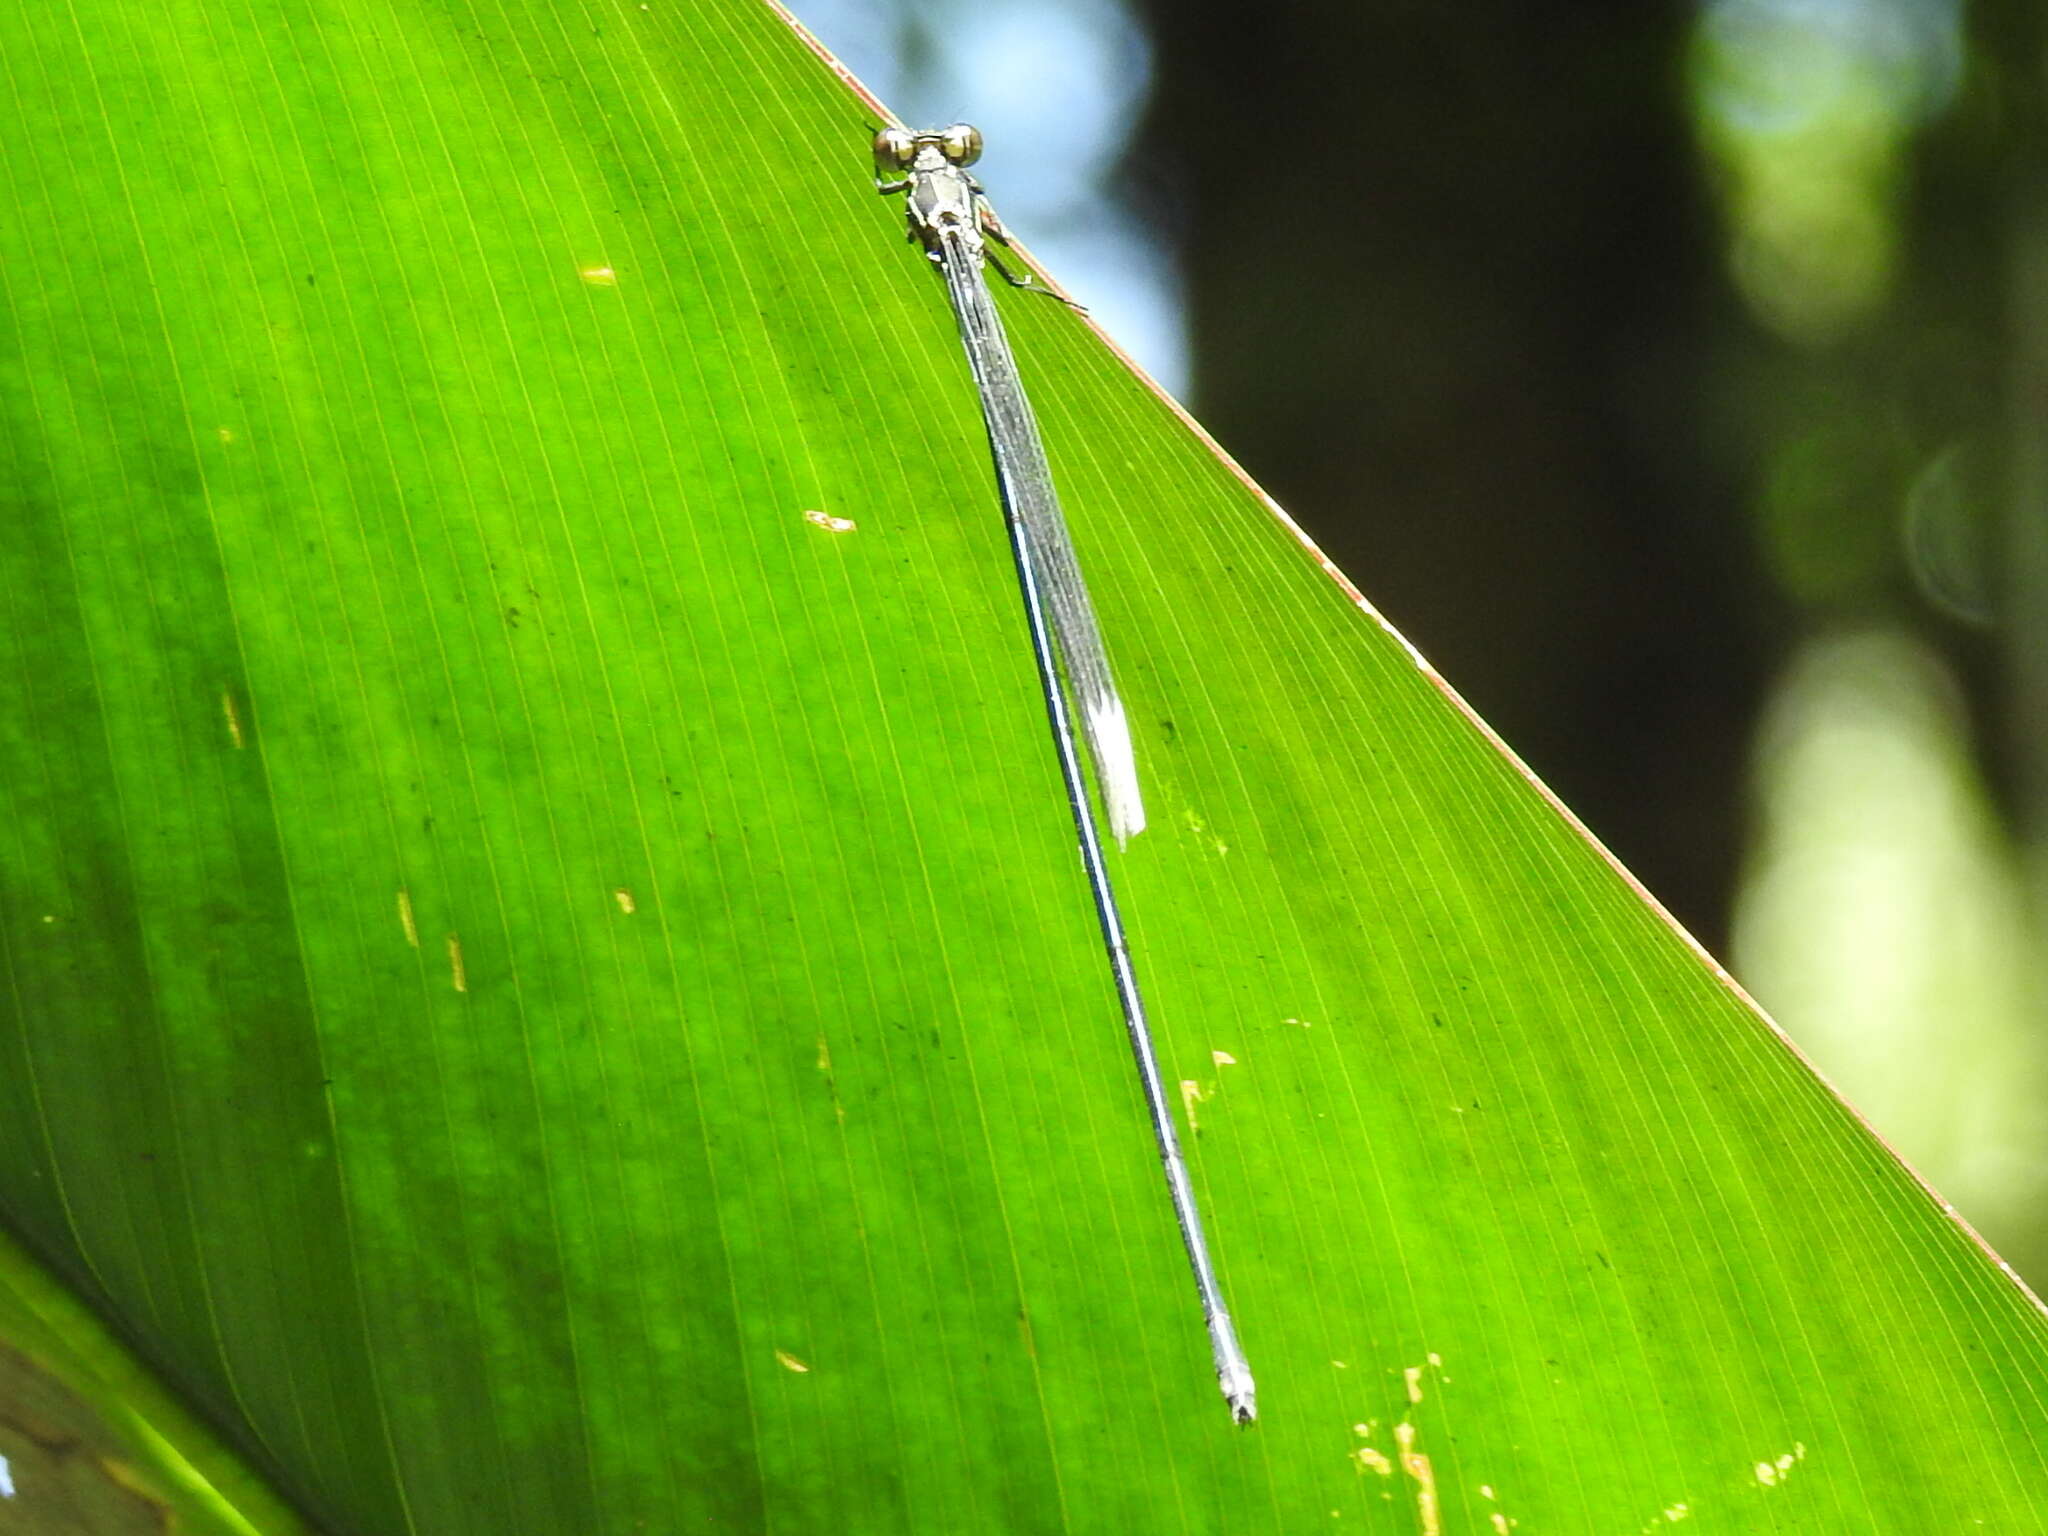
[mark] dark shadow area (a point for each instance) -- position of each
(1456, 298)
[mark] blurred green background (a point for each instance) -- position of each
(1675, 377)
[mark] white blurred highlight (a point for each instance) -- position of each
(1883, 923)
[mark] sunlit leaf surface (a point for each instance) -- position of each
(545, 982)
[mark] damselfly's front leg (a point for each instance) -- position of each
(993, 228)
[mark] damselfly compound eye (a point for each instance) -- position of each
(960, 143)
(895, 148)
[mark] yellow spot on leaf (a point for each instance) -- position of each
(624, 898)
(824, 1055)
(790, 1362)
(227, 705)
(1201, 829)
(1417, 1466)
(1193, 1093)
(412, 930)
(599, 277)
(830, 523)
(225, 434)
(1772, 1473)
(1223, 1058)
(1413, 1376)
(455, 966)
(1366, 1456)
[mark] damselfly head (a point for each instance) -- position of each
(896, 148)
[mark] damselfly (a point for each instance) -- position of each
(952, 220)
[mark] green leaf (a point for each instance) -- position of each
(90, 1444)
(546, 990)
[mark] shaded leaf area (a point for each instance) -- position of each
(91, 1445)
(547, 989)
